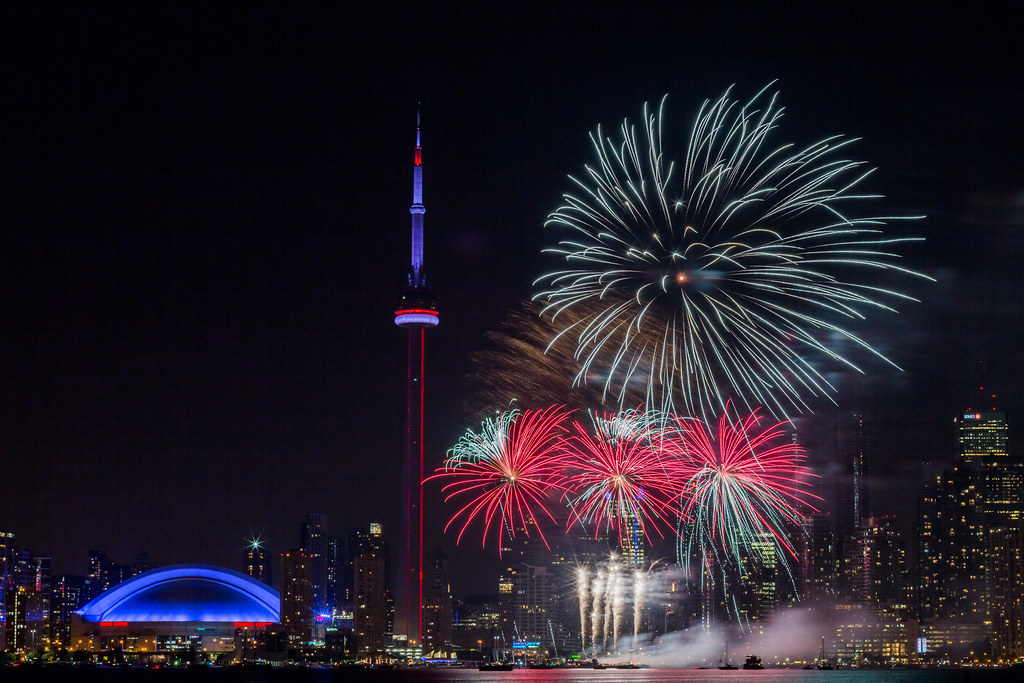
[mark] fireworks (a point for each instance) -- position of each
(620, 482)
(526, 361)
(745, 487)
(607, 599)
(715, 279)
(507, 470)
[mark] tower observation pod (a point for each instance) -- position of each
(417, 312)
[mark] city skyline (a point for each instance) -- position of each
(202, 261)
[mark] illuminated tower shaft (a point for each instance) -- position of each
(416, 313)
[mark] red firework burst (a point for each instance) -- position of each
(618, 480)
(743, 484)
(509, 470)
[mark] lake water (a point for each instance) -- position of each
(432, 675)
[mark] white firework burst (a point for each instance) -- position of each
(730, 276)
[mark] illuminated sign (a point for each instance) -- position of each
(922, 646)
(252, 624)
(972, 416)
(523, 645)
(113, 623)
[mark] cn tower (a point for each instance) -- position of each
(416, 313)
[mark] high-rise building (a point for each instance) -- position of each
(437, 608)
(952, 549)
(371, 610)
(6, 581)
(852, 447)
(335, 590)
(297, 595)
(27, 613)
(983, 435)
(416, 313)
(66, 596)
(1006, 578)
(819, 559)
(985, 446)
(102, 573)
(314, 544)
(966, 519)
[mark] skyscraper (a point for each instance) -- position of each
(297, 595)
(314, 544)
(6, 581)
(983, 436)
(416, 313)
(370, 610)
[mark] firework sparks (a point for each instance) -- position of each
(508, 470)
(583, 596)
(722, 272)
(746, 485)
(618, 480)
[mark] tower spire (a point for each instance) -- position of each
(416, 277)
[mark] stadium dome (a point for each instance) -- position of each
(186, 592)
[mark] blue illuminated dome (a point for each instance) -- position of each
(186, 592)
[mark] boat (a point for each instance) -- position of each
(724, 664)
(630, 665)
(753, 662)
(822, 662)
(496, 666)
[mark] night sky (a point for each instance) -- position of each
(205, 230)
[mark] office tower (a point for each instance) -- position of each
(370, 613)
(6, 581)
(314, 544)
(983, 435)
(819, 559)
(416, 313)
(102, 573)
(437, 608)
(985, 447)
(334, 589)
(66, 596)
(1006, 578)
(952, 548)
(297, 595)
(953, 562)
(852, 446)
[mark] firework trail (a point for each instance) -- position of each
(583, 595)
(508, 470)
(618, 602)
(595, 616)
(638, 604)
(609, 599)
(618, 480)
(746, 485)
(725, 271)
(522, 363)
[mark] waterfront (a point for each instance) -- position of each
(458, 675)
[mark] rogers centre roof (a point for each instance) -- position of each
(186, 592)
